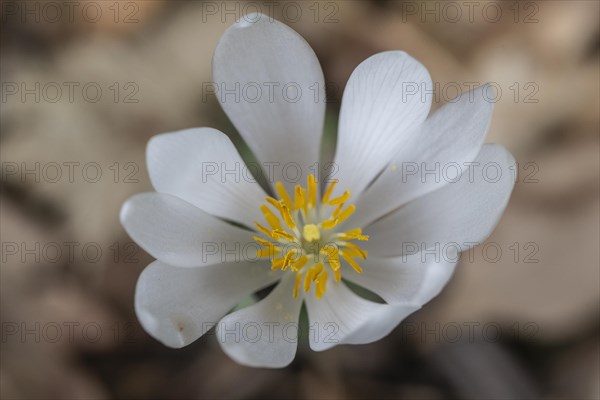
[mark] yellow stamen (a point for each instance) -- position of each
(354, 234)
(329, 191)
(284, 211)
(280, 233)
(266, 231)
(352, 248)
(352, 263)
(312, 191)
(283, 194)
(276, 263)
(307, 280)
(287, 217)
(299, 263)
(299, 198)
(337, 275)
(263, 241)
(287, 260)
(311, 275)
(297, 284)
(321, 286)
(332, 257)
(335, 264)
(337, 210)
(267, 252)
(330, 223)
(317, 270)
(340, 199)
(271, 218)
(344, 215)
(274, 202)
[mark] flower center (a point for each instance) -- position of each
(302, 235)
(311, 232)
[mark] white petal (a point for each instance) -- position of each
(446, 142)
(264, 334)
(438, 274)
(405, 279)
(387, 96)
(181, 234)
(202, 167)
(342, 317)
(177, 305)
(277, 76)
(459, 215)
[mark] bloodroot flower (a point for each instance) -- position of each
(404, 195)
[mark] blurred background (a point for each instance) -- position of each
(85, 84)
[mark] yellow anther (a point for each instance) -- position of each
(354, 234)
(276, 263)
(271, 218)
(307, 280)
(311, 232)
(311, 275)
(299, 263)
(280, 233)
(329, 191)
(287, 260)
(321, 284)
(266, 231)
(344, 215)
(283, 194)
(287, 217)
(267, 252)
(312, 191)
(297, 284)
(357, 251)
(330, 223)
(284, 211)
(299, 198)
(335, 264)
(337, 274)
(317, 270)
(352, 263)
(332, 257)
(329, 250)
(340, 199)
(337, 210)
(263, 241)
(274, 202)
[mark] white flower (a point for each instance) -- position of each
(399, 240)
